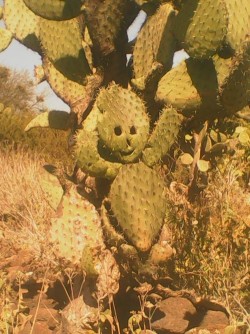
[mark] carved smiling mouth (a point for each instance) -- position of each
(127, 152)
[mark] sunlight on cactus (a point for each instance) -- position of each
(149, 213)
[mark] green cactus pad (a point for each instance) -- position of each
(55, 9)
(201, 26)
(112, 237)
(155, 43)
(163, 136)
(89, 159)
(5, 38)
(53, 119)
(77, 231)
(22, 22)
(149, 6)
(104, 21)
(137, 200)
(234, 90)
(123, 124)
(62, 43)
(238, 23)
(189, 86)
(69, 91)
(51, 187)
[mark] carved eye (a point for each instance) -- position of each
(132, 130)
(118, 130)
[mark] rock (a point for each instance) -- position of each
(49, 316)
(39, 327)
(211, 322)
(78, 317)
(172, 316)
(214, 319)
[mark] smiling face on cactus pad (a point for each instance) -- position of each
(123, 124)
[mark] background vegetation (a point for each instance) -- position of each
(210, 234)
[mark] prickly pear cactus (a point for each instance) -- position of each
(130, 119)
(117, 132)
(55, 10)
(154, 47)
(137, 206)
(141, 210)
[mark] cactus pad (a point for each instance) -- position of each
(201, 26)
(53, 119)
(238, 23)
(89, 159)
(235, 88)
(163, 136)
(149, 6)
(62, 43)
(51, 187)
(189, 86)
(68, 90)
(77, 231)
(22, 22)
(5, 39)
(123, 124)
(55, 9)
(155, 43)
(137, 200)
(104, 21)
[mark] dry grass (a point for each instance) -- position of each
(211, 236)
(21, 197)
(24, 220)
(25, 216)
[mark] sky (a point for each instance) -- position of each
(20, 58)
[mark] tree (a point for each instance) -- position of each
(17, 90)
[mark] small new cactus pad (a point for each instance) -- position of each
(155, 43)
(22, 22)
(138, 203)
(201, 26)
(163, 136)
(62, 43)
(123, 124)
(55, 9)
(54, 119)
(190, 85)
(5, 39)
(238, 23)
(76, 232)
